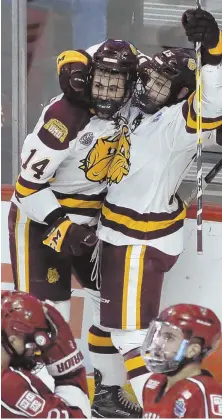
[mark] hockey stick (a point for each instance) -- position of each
(199, 145)
(208, 179)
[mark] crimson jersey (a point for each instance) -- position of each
(25, 395)
(195, 397)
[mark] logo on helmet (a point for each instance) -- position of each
(191, 64)
(40, 340)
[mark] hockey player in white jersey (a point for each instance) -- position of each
(62, 183)
(142, 217)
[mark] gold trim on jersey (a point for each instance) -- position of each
(99, 340)
(190, 116)
(139, 288)
(22, 251)
(125, 286)
(138, 225)
(133, 363)
(218, 49)
(78, 203)
(23, 190)
(133, 273)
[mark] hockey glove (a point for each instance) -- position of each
(59, 352)
(74, 70)
(201, 26)
(70, 238)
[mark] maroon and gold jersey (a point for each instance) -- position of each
(153, 157)
(196, 397)
(65, 161)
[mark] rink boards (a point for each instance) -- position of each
(195, 278)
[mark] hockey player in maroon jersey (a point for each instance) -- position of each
(174, 347)
(29, 326)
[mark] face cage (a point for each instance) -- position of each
(151, 99)
(105, 108)
(158, 364)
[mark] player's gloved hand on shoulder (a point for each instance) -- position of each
(74, 69)
(201, 26)
(58, 347)
(70, 238)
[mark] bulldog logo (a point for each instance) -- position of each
(97, 162)
(120, 165)
(52, 275)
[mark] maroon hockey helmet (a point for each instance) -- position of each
(120, 56)
(115, 58)
(168, 339)
(178, 66)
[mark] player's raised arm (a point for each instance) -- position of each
(48, 145)
(201, 26)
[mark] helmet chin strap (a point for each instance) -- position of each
(105, 109)
(182, 364)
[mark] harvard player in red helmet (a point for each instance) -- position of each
(173, 350)
(35, 332)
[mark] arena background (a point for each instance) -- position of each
(34, 32)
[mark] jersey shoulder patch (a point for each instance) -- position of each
(216, 404)
(30, 403)
(61, 123)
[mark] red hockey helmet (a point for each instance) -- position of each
(166, 346)
(22, 315)
(194, 321)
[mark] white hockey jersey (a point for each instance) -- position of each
(153, 156)
(65, 162)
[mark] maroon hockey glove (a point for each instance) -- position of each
(70, 238)
(58, 346)
(201, 26)
(74, 69)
